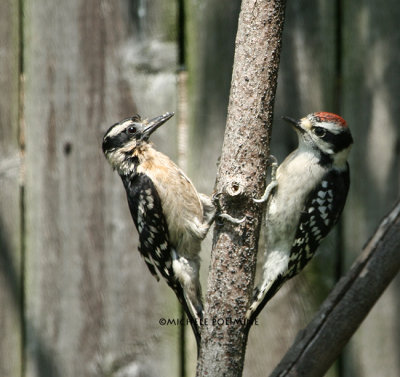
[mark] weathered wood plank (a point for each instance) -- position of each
(92, 307)
(11, 333)
(210, 42)
(371, 85)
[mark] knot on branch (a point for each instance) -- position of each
(234, 188)
(230, 193)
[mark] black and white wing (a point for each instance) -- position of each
(147, 214)
(146, 210)
(321, 212)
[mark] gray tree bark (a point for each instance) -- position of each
(241, 177)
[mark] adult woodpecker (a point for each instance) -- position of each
(171, 217)
(304, 200)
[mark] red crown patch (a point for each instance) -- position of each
(330, 117)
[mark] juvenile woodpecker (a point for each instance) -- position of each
(171, 217)
(304, 200)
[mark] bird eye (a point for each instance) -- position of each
(320, 132)
(132, 130)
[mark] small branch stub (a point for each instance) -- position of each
(232, 193)
(234, 188)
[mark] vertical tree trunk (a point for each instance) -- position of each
(241, 177)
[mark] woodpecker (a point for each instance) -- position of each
(304, 200)
(171, 217)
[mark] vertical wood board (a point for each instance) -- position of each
(11, 333)
(210, 41)
(371, 87)
(92, 307)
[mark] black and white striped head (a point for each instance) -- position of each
(123, 138)
(324, 133)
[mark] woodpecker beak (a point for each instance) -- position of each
(296, 124)
(153, 124)
(290, 120)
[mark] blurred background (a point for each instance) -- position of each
(75, 297)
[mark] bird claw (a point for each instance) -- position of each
(267, 192)
(225, 216)
(272, 184)
(274, 166)
(231, 219)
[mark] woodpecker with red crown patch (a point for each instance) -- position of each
(304, 200)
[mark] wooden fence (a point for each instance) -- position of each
(75, 297)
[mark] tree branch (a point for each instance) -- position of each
(318, 346)
(241, 177)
